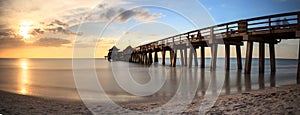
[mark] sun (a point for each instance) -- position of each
(25, 28)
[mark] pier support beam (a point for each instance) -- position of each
(248, 57)
(182, 57)
(191, 56)
(146, 58)
(185, 56)
(214, 52)
(163, 53)
(150, 58)
(227, 56)
(272, 58)
(298, 72)
(202, 52)
(261, 57)
(239, 57)
(155, 56)
(195, 57)
(171, 56)
(174, 57)
(141, 58)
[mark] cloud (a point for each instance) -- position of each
(17, 42)
(51, 42)
(58, 23)
(4, 33)
(121, 15)
(62, 30)
(6, 42)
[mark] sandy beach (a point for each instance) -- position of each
(28, 105)
(276, 100)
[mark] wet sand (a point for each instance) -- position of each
(276, 100)
(12, 104)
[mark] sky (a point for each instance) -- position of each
(57, 28)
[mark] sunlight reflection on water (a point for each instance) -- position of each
(24, 77)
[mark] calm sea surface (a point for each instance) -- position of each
(53, 78)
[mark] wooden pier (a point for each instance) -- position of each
(263, 30)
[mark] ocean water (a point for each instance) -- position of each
(53, 78)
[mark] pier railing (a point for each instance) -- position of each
(263, 30)
(260, 25)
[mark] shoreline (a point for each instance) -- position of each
(23, 104)
(276, 100)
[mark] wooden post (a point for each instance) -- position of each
(155, 56)
(248, 57)
(191, 56)
(272, 80)
(146, 58)
(174, 57)
(195, 57)
(202, 52)
(163, 53)
(238, 81)
(202, 82)
(171, 57)
(248, 82)
(137, 56)
(227, 56)
(150, 58)
(261, 57)
(298, 73)
(141, 58)
(239, 57)
(182, 57)
(261, 81)
(227, 82)
(185, 56)
(272, 57)
(214, 52)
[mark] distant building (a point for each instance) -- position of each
(115, 55)
(126, 55)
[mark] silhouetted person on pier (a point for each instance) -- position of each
(285, 23)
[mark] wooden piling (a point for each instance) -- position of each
(141, 58)
(248, 57)
(182, 57)
(272, 80)
(163, 53)
(238, 56)
(202, 52)
(261, 57)
(195, 57)
(227, 56)
(227, 82)
(146, 58)
(174, 55)
(239, 80)
(171, 57)
(214, 52)
(298, 72)
(185, 56)
(150, 58)
(248, 82)
(155, 56)
(191, 56)
(261, 81)
(272, 57)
